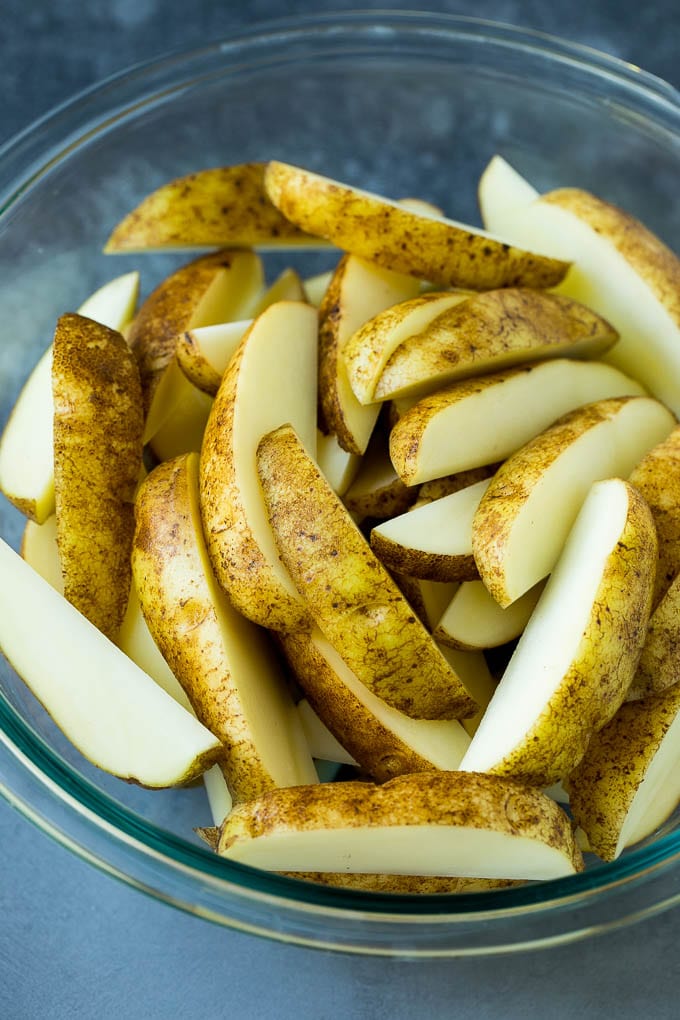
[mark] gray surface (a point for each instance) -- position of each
(73, 943)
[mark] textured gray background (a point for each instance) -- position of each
(73, 943)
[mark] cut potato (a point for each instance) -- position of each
(98, 426)
(217, 792)
(474, 620)
(447, 823)
(270, 380)
(377, 490)
(382, 231)
(657, 477)
(659, 666)
(436, 488)
(621, 270)
(214, 208)
(225, 664)
(525, 515)
(501, 192)
(367, 352)
(489, 332)
(27, 444)
(316, 286)
(110, 710)
(482, 421)
(183, 430)
(322, 744)
(432, 541)
(628, 783)
(358, 290)
(577, 656)
(474, 671)
(286, 287)
(384, 741)
(347, 591)
(40, 550)
(337, 465)
(212, 289)
(204, 353)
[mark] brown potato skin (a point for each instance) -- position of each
(195, 365)
(98, 426)
(348, 591)
(423, 565)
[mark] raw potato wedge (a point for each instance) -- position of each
(428, 599)
(482, 421)
(204, 353)
(271, 380)
(321, 742)
(382, 231)
(621, 270)
(657, 477)
(659, 666)
(316, 286)
(432, 541)
(214, 208)
(489, 332)
(367, 352)
(337, 465)
(525, 515)
(345, 588)
(502, 191)
(447, 823)
(40, 550)
(377, 490)
(182, 431)
(212, 289)
(628, 783)
(358, 290)
(109, 709)
(577, 656)
(385, 742)
(474, 671)
(474, 620)
(220, 800)
(27, 444)
(225, 664)
(436, 488)
(286, 287)
(98, 428)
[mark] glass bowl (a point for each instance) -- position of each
(408, 104)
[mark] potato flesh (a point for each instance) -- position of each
(442, 527)
(473, 618)
(405, 850)
(657, 795)
(502, 191)
(322, 744)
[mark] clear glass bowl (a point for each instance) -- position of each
(406, 104)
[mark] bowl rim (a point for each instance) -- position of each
(28, 750)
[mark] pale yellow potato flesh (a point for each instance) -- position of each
(577, 656)
(502, 191)
(337, 465)
(377, 490)
(474, 671)
(358, 291)
(220, 800)
(321, 742)
(428, 599)
(204, 353)
(98, 426)
(368, 350)
(439, 824)
(532, 501)
(212, 289)
(109, 709)
(474, 620)
(432, 541)
(484, 420)
(384, 741)
(39, 549)
(316, 286)
(27, 443)
(182, 431)
(436, 249)
(270, 380)
(628, 783)
(225, 664)
(489, 332)
(621, 270)
(214, 208)
(287, 286)
(347, 591)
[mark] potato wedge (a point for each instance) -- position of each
(357, 291)
(489, 332)
(628, 783)
(98, 428)
(377, 490)
(225, 664)
(382, 231)
(577, 656)
(204, 353)
(27, 443)
(447, 823)
(525, 515)
(501, 192)
(428, 599)
(474, 671)
(347, 591)
(337, 465)
(432, 541)
(270, 380)
(473, 620)
(40, 550)
(323, 746)
(385, 742)
(621, 270)
(109, 709)
(286, 287)
(214, 208)
(484, 420)
(659, 666)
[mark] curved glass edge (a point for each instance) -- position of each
(200, 863)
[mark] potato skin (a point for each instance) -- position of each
(97, 460)
(353, 599)
(401, 240)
